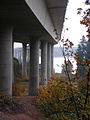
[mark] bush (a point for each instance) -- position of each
(20, 87)
(7, 103)
(17, 90)
(56, 100)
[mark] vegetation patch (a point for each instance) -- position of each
(8, 104)
(56, 100)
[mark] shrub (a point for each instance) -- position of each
(17, 90)
(7, 103)
(56, 100)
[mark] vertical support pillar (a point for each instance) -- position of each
(52, 59)
(24, 69)
(43, 63)
(34, 68)
(6, 60)
(12, 61)
(49, 62)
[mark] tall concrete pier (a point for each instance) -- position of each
(52, 70)
(49, 62)
(34, 68)
(33, 21)
(6, 59)
(24, 65)
(44, 63)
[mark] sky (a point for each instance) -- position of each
(76, 31)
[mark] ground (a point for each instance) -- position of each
(31, 110)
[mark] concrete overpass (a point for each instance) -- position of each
(37, 22)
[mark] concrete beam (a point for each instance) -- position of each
(40, 10)
(34, 68)
(6, 60)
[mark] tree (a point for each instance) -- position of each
(87, 54)
(82, 48)
(82, 52)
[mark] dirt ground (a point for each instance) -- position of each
(31, 110)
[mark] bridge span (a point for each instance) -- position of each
(36, 22)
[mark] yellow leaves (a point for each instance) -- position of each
(85, 21)
(56, 99)
(83, 112)
(17, 89)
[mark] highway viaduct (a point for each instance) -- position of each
(37, 22)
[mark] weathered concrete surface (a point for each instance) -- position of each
(43, 63)
(34, 68)
(52, 59)
(49, 62)
(40, 10)
(34, 18)
(31, 20)
(24, 65)
(57, 9)
(6, 59)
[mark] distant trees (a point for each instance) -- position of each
(83, 53)
(82, 48)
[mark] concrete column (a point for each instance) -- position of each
(52, 59)
(24, 64)
(12, 61)
(43, 63)
(6, 60)
(49, 62)
(34, 68)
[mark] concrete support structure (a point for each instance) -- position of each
(34, 68)
(24, 65)
(43, 63)
(52, 59)
(31, 19)
(49, 62)
(6, 60)
(12, 61)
